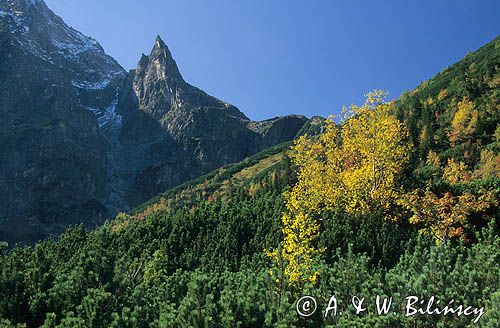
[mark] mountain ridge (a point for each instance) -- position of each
(82, 139)
(475, 77)
(213, 251)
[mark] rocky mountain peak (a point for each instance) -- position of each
(144, 61)
(163, 62)
(160, 88)
(142, 65)
(159, 42)
(30, 27)
(20, 14)
(22, 6)
(85, 139)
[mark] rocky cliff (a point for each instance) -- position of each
(81, 138)
(54, 81)
(180, 132)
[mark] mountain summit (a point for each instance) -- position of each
(179, 131)
(162, 57)
(81, 138)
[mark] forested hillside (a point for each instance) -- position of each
(455, 114)
(400, 199)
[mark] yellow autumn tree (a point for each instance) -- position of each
(489, 166)
(433, 159)
(456, 172)
(352, 168)
(375, 148)
(464, 122)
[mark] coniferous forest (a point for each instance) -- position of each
(393, 199)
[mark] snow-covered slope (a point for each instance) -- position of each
(34, 29)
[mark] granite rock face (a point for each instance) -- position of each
(81, 138)
(182, 131)
(52, 163)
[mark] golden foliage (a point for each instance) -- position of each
(464, 122)
(162, 206)
(433, 159)
(489, 166)
(456, 172)
(494, 83)
(442, 94)
(352, 169)
(121, 221)
(424, 134)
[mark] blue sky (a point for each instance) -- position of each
(276, 57)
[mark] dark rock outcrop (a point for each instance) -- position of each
(52, 163)
(184, 132)
(81, 139)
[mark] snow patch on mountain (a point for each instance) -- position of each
(55, 42)
(72, 48)
(91, 85)
(108, 117)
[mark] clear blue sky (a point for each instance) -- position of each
(279, 57)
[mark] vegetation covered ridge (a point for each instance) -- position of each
(400, 199)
